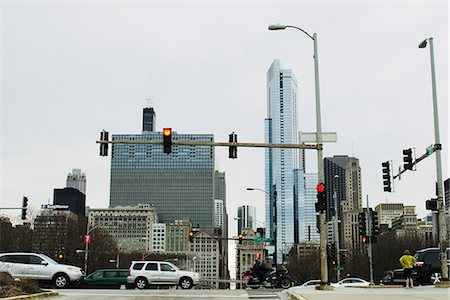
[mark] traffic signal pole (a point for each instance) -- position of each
(369, 235)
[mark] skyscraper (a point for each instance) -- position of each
(246, 217)
(148, 119)
(343, 176)
(306, 210)
(281, 127)
(179, 185)
(76, 180)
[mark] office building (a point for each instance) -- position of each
(306, 220)
(158, 244)
(177, 236)
(343, 184)
(205, 253)
(281, 127)
(148, 120)
(246, 218)
(75, 199)
(388, 212)
(179, 185)
(130, 226)
(76, 180)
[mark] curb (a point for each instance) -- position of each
(295, 296)
(34, 296)
(377, 287)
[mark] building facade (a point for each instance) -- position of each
(72, 197)
(76, 180)
(205, 253)
(306, 194)
(179, 184)
(281, 127)
(248, 252)
(388, 212)
(130, 226)
(343, 185)
(246, 217)
(177, 236)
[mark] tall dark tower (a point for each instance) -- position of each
(149, 120)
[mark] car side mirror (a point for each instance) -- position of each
(44, 263)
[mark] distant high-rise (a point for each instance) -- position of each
(306, 210)
(180, 184)
(75, 199)
(281, 127)
(76, 180)
(343, 176)
(246, 217)
(148, 120)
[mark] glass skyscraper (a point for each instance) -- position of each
(180, 184)
(281, 127)
(306, 209)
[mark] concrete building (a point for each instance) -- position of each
(280, 163)
(388, 212)
(248, 252)
(218, 213)
(158, 244)
(205, 253)
(177, 236)
(131, 226)
(343, 178)
(76, 180)
(148, 120)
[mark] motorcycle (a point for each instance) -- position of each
(271, 279)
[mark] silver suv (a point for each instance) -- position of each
(145, 273)
(39, 267)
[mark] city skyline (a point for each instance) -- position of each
(77, 79)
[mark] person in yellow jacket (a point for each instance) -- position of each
(407, 261)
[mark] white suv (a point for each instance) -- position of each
(145, 273)
(39, 267)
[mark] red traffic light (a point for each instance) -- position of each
(320, 188)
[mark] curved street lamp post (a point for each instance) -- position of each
(322, 216)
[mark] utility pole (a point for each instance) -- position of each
(369, 235)
(336, 229)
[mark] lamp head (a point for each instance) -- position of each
(423, 44)
(250, 189)
(277, 27)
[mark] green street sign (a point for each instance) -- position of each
(430, 150)
(339, 268)
(260, 240)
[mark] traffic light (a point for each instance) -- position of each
(343, 260)
(407, 159)
(332, 251)
(386, 176)
(432, 204)
(24, 208)
(167, 140)
(232, 150)
(240, 237)
(191, 236)
(364, 239)
(61, 256)
(104, 146)
(321, 204)
(362, 223)
(375, 231)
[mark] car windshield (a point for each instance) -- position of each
(50, 260)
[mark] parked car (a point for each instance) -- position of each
(308, 284)
(351, 281)
(106, 278)
(428, 265)
(397, 276)
(39, 267)
(145, 273)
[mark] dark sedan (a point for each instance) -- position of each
(397, 276)
(106, 278)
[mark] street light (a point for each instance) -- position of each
(441, 212)
(274, 220)
(323, 226)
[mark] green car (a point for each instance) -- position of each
(106, 278)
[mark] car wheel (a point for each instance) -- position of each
(186, 283)
(141, 283)
(61, 281)
(435, 277)
(285, 283)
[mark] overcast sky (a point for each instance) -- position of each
(71, 69)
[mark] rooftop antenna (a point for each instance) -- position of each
(148, 98)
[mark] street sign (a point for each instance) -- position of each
(339, 268)
(260, 240)
(311, 137)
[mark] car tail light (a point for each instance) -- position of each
(419, 264)
(129, 272)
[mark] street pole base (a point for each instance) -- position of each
(324, 287)
(443, 284)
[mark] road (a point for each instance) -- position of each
(166, 294)
(342, 293)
